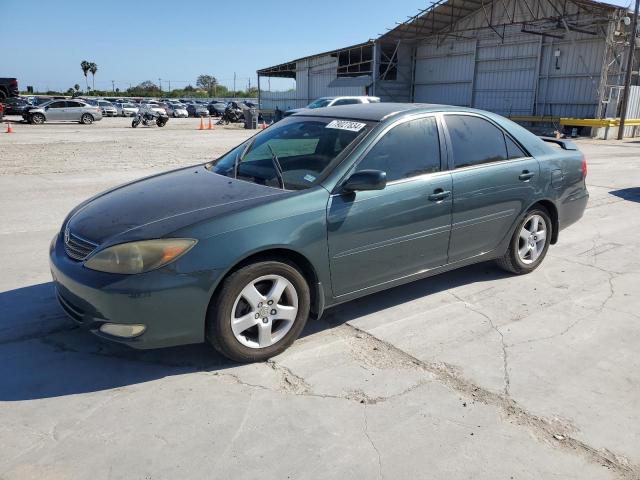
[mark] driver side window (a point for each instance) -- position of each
(407, 150)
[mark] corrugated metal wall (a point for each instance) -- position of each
(313, 76)
(444, 73)
(519, 75)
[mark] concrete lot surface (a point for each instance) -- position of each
(472, 374)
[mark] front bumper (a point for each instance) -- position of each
(171, 305)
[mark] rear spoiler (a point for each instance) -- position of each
(564, 144)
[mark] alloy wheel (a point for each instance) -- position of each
(264, 311)
(532, 239)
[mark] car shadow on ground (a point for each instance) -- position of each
(632, 194)
(56, 358)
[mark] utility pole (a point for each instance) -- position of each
(169, 85)
(113, 86)
(160, 83)
(627, 77)
(234, 83)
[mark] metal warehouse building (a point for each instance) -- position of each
(518, 58)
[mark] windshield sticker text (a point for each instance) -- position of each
(346, 125)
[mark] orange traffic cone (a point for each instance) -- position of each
(210, 124)
(9, 129)
(201, 124)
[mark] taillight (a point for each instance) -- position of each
(584, 167)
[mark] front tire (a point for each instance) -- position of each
(529, 243)
(86, 119)
(37, 119)
(259, 311)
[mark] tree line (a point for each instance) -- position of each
(207, 86)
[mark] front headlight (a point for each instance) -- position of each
(139, 257)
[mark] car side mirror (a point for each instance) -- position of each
(365, 180)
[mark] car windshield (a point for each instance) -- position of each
(321, 102)
(104, 104)
(304, 149)
(128, 105)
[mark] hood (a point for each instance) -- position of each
(156, 206)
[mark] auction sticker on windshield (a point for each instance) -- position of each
(346, 125)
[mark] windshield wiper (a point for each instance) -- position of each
(277, 166)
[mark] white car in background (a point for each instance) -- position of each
(323, 102)
(156, 107)
(176, 110)
(107, 108)
(126, 109)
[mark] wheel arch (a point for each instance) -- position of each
(551, 208)
(287, 255)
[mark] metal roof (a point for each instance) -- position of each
(285, 69)
(443, 14)
(438, 17)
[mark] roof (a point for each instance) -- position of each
(373, 112)
(443, 14)
(283, 68)
(439, 16)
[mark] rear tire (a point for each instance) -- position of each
(529, 243)
(86, 119)
(134, 123)
(274, 315)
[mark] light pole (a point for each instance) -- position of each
(627, 77)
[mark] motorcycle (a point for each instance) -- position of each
(149, 118)
(232, 114)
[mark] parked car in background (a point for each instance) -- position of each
(107, 108)
(335, 102)
(241, 251)
(15, 105)
(197, 110)
(155, 106)
(63, 110)
(126, 109)
(216, 108)
(8, 88)
(176, 110)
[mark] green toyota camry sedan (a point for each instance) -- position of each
(326, 206)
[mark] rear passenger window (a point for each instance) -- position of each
(513, 150)
(57, 105)
(412, 148)
(475, 141)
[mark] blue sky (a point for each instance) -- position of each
(132, 41)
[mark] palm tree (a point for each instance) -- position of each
(85, 66)
(93, 68)
(77, 87)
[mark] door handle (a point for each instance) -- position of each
(526, 175)
(439, 194)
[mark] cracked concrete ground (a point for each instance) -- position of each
(472, 374)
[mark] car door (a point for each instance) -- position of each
(74, 110)
(56, 110)
(378, 236)
(494, 180)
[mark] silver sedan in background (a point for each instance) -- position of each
(63, 110)
(176, 110)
